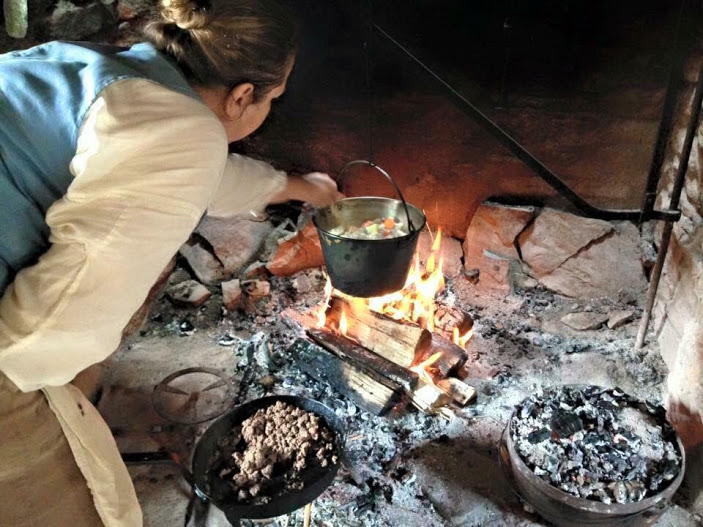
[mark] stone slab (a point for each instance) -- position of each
(301, 252)
(494, 228)
(206, 267)
(584, 321)
(236, 242)
(605, 268)
(617, 319)
(555, 237)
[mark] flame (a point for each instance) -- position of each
(462, 339)
(422, 369)
(322, 313)
(416, 301)
(343, 325)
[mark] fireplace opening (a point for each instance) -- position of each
(503, 383)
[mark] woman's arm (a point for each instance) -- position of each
(142, 180)
(248, 185)
(315, 188)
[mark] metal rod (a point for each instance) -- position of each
(389, 178)
(667, 115)
(673, 205)
(526, 157)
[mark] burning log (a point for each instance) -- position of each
(351, 352)
(452, 356)
(367, 388)
(398, 342)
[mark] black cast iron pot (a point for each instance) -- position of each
(368, 268)
(564, 510)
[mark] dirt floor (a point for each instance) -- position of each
(411, 469)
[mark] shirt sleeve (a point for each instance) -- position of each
(247, 185)
(146, 166)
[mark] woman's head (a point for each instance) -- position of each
(241, 48)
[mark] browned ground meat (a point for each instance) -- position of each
(279, 441)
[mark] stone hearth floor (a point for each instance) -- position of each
(415, 470)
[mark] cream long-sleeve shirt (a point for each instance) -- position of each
(149, 162)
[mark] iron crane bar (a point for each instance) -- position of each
(527, 158)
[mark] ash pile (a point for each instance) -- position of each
(599, 444)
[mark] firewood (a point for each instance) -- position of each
(297, 320)
(458, 390)
(429, 397)
(452, 356)
(366, 388)
(447, 318)
(399, 342)
(350, 351)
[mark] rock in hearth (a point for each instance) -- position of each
(231, 294)
(584, 321)
(606, 267)
(70, 22)
(494, 229)
(257, 289)
(206, 267)
(190, 292)
(494, 272)
(235, 241)
(582, 257)
(555, 237)
(300, 252)
(617, 319)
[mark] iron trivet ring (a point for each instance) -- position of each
(193, 395)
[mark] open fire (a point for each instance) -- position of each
(425, 346)
(414, 303)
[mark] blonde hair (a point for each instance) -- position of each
(227, 42)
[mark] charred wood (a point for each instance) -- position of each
(452, 356)
(366, 388)
(399, 342)
(350, 351)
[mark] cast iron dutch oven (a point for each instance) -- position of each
(563, 509)
(210, 487)
(367, 268)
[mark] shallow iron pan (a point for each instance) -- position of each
(209, 486)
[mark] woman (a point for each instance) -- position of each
(108, 160)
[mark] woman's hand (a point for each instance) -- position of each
(315, 188)
(322, 189)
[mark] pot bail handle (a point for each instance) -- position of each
(389, 178)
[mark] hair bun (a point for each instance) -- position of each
(186, 14)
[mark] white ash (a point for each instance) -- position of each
(595, 443)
